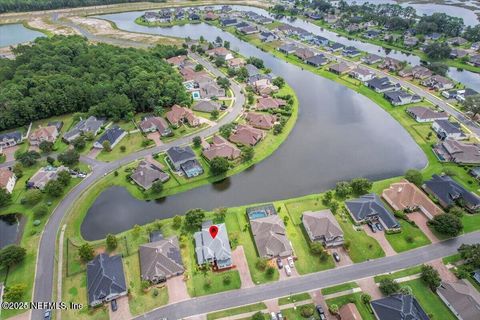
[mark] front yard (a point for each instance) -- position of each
(410, 237)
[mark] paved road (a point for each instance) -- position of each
(310, 282)
(46, 253)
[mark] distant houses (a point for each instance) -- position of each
(155, 124)
(246, 135)
(400, 97)
(269, 103)
(446, 129)
(384, 84)
(213, 251)
(179, 115)
(7, 180)
(424, 114)
(457, 152)
(90, 125)
(10, 139)
(263, 121)
(48, 134)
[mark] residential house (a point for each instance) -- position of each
(320, 41)
(147, 173)
(56, 124)
(362, 74)
(369, 207)
(438, 82)
(269, 103)
(215, 251)
(7, 180)
(44, 175)
(463, 94)
(340, 68)
(249, 30)
(424, 114)
(266, 36)
(447, 129)
(220, 52)
(105, 279)
(246, 135)
(113, 135)
(349, 311)
(271, 237)
(410, 41)
(178, 115)
(41, 134)
(456, 41)
(475, 60)
(400, 97)
(210, 89)
(475, 46)
(304, 53)
(287, 48)
(416, 72)
(433, 36)
(263, 121)
(391, 64)
(220, 147)
(160, 260)
(351, 52)
(179, 155)
(371, 58)
(461, 298)
(210, 16)
(10, 139)
(405, 196)
(241, 25)
(90, 125)
(371, 34)
(152, 124)
(207, 106)
(458, 152)
(317, 60)
(335, 47)
(236, 63)
(151, 17)
(448, 193)
(227, 21)
(458, 53)
(382, 85)
(398, 307)
(252, 70)
(177, 60)
(322, 226)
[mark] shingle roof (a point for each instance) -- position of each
(322, 224)
(147, 173)
(111, 135)
(178, 154)
(270, 237)
(427, 113)
(447, 190)
(160, 259)
(369, 206)
(462, 297)
(399, 307)
(207, 248)
(105, 277)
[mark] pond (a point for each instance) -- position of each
(10, 229)
(12, 34)
(339, 135)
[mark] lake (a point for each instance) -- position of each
(339, 135)
(10, 229)
(12, 34)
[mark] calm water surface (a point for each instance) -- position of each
(11, 34)
(339, 135)
(9, 229)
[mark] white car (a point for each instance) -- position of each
(288, 270)
(290, 262)
(273, 316)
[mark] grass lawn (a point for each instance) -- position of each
(292, 313)
(234, 311)
(400, 274)
(131, 142)
(452, 259)
(341, 287)
(355, 298)
(430, 301)
(294, 298)
(409, 238)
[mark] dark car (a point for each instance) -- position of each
(336, 256)
(47, 315)
(279, 316)
(114, 305)
(379, 226)
(372, 227)
(279, 263)
(320, 311)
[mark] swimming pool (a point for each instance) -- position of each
(257, 214)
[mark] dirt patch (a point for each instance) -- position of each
(421, 221)
(240, 262)
(45, 23)
(177, 289)
(380, 237)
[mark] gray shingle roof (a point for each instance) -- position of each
(270, 237)
(370, 206)
(105, 278)
(208, 249)
(448, 190)
(180, 154)
(160, 260)
(399, 307)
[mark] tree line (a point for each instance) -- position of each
(60, 75)
(34, 5)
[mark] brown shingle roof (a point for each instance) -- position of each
(246, 135)
(261, 120)
(220, 147)
(270, 237)
(5, 176)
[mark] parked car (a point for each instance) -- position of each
(379, 226)
(320, 311)
(372, 227)
(273, 316)
(47, 315)
(288, 270)
(114, 305)
(279, 316)
(336, 256)
(279, 263)
(290, 262)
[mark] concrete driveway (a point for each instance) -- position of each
(318, 299)
(380, 237)
(123, 311)
(421, 221)
(344, 257)
(240, 262)
(445, 274)
(283, 274)
(155, 136)
(177, 289)
(10, 153)
(369, 286)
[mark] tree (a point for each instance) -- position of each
(279, 82)
(247, 153)
(157, 186)
(40, 211)
(64, 177)
(219, 165)
(406, 290)
(124, 148)
(54, 188)
(277, 128)
(214, 114)
(470, 254)
(431, 277)
(306, 311)
(69, 157)
(177, 222)
(32, 197)
(414, 176)
(472, 104)
(86, 252)
(14, 293)
(46, 146)
(12, 255)
(50, 160)
(447, 224)
(219, 61)
(438, 50)
(227, 279)
(194, 218)
(197, 141)
(79, 143)
(270, 271)
(456, 211)
(327, 198)
(258, 316)
(226, 130)
(360, 186)
(343, 189)
(159, 111)
(221, 213)
(106, 146)
(333, 308)
(17, 169)
(316, 248)
(199, 67)
(257, 62)
(111, 241)
(28, 158)
(334, 206)
(366, 298)
(389, 286)
(223, 82)
(5, 197)
(438, 68)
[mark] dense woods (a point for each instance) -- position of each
(33, 5)
(61, 75)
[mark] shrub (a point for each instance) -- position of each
(306, 311)
(40, 211)
(389, 286)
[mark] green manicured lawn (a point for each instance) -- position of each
(410, 237)
(430, 301)
(339, 288)
(131, 142)
(452, 259)
(234, 311)
(292, 313)
(400, 274)
(355, 298)
(294, 298)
